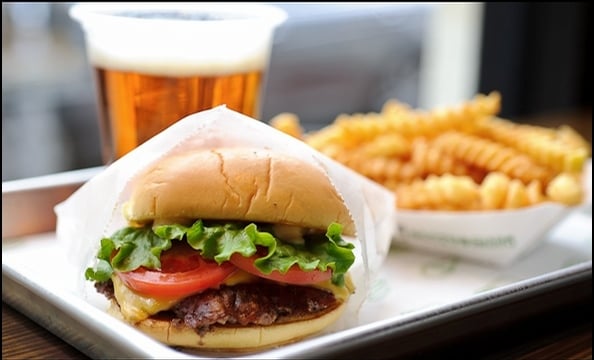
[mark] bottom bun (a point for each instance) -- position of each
(229, 338)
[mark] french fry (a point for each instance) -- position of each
(458, 158)
(561, 150)
(566, 189)
(288, 123)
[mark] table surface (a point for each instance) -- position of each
(562, 333)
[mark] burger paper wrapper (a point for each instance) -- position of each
(496, 238)
(95, 210)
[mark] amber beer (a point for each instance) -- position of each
(156, 63)
(134, 106)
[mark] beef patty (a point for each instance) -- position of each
(258, 303)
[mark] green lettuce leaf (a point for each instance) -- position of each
(142, 247)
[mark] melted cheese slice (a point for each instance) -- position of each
(340, 292)
(136, 307)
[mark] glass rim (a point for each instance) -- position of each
(112, 14)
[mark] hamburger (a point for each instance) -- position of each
(229, 249)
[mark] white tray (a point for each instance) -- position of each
(415, 293)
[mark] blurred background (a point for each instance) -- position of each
(327, 59)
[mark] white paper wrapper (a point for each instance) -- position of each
(94, 211)
(490, 237)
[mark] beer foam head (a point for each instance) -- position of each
(179, 39)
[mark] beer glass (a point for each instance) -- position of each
(155, 63)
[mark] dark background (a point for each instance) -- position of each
(538, 55)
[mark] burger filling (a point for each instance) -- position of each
(210, 273)
(244, 304)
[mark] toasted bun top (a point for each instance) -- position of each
(238, 184)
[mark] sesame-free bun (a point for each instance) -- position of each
(233, 338)
(238, 184)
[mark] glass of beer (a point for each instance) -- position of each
(155, 63)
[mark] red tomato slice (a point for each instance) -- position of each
(294, 275)
(183, 272)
